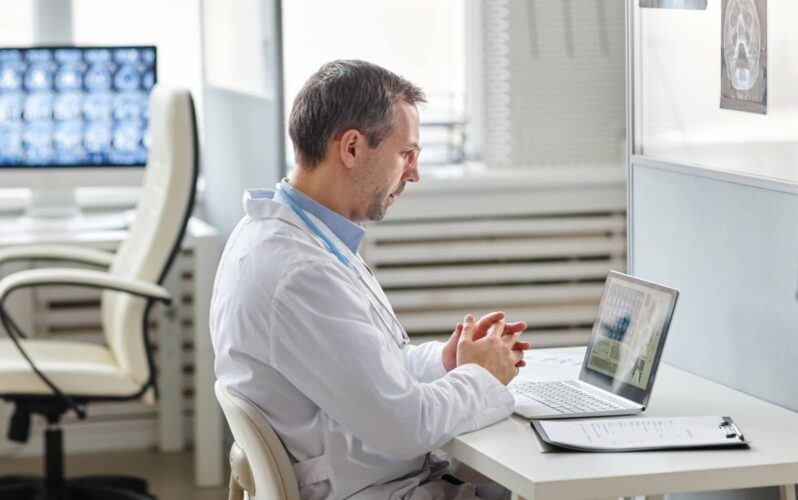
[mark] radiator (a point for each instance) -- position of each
(536, 245)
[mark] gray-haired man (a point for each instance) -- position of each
(302, 329)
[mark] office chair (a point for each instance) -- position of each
(257, 448)
(50, 378)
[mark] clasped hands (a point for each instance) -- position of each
(490, 342)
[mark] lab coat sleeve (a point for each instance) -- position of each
(325, 343)
(426, 361)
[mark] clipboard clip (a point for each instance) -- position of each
(731, 430)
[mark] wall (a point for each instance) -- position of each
(243, 94)
(677, 99)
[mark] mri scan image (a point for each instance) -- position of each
(744, 55)
(75, 106)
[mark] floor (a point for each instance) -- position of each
(170, 475)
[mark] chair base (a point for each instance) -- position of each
(81, 488)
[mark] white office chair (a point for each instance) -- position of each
(49, 377)
(259, 464)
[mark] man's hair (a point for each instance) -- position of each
(343, 95)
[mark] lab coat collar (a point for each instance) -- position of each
(349, 232)
(263, 204)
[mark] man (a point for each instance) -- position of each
(303, 330)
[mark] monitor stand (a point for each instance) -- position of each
(55, 211)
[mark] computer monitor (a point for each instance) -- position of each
(73, 117)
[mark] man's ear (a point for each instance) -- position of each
(349, 147)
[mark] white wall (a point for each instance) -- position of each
(677, 101)
(243, 120)
(172, 26)
(16, 23)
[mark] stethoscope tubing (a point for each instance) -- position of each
(405, 338)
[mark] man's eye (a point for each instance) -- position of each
(410, 154)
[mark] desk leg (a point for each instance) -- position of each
(787, 492)
(208, 455)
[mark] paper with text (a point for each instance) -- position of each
(608, 434)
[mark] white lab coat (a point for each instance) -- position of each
(295, 333)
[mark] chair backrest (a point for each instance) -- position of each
(162, 213)
(270, 467)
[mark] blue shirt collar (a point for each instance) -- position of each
(344, 229)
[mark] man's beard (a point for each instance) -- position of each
(377, 208)
(379, 204)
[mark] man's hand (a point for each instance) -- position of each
(481, 328)
(494, 352)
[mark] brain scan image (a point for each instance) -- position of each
(68, 106)
(98, 106)
(68, 78)
(741, 43)
(11, 106)
(98, 78)
(11, 139)
(97, 136)
(10, 77)
(38, 107)
(744, 55)
(68, 135)
(75, 106)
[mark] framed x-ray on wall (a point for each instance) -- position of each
(744, 61)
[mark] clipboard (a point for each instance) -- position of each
(641, 433)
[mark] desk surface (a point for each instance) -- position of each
(508, 451)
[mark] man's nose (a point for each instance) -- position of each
(411, 172)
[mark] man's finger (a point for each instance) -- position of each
(458, 333)
(520, 364)
(496, 329)
(489, 319)
(522, 346)
(468, 328)
(512, 338)
(514, 327)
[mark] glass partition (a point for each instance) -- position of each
(677, 68)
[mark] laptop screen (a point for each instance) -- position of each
(628, 336)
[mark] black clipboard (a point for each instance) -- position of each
(645, 433)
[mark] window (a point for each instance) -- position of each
(422, 40)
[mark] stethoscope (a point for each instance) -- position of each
(400, 341)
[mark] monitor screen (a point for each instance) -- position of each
(628, 336)
(75, 106)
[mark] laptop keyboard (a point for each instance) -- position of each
(562, 397)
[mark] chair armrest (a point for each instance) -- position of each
(72, 253)
(81, 277)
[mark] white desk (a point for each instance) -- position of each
(508, 452)
(169, 433)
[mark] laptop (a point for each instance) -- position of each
(621, 359)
